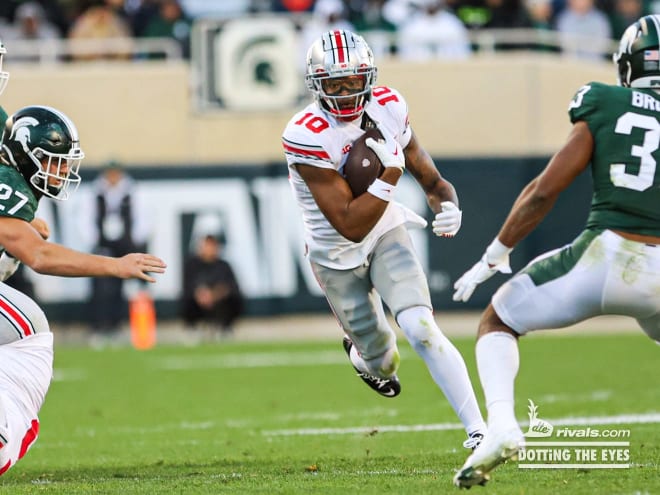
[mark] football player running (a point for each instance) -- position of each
(359, 248)
(612, 267)
(39, 156)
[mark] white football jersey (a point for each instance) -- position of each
(313, 137)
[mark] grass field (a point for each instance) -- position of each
(291, 418)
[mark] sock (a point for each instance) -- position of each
(497, 362)
(445, 364)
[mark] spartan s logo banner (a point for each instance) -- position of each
(247, 64)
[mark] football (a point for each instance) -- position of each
(362, 165)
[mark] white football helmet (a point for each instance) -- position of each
(4, 76)
(340, 54)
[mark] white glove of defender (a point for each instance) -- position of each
(448, 221)
(388, 151)
(8, 266)
(495, 259)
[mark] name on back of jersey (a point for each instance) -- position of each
(645, 101)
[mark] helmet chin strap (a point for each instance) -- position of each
(354, 114)
(338, 113)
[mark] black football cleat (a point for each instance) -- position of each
(387, 387)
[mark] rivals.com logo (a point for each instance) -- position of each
(584, 453)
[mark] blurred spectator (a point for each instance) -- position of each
(541, 15)
(433, 33)
(143, 14)
(170, 21)
(369, 20)
(216, 8)
(256, 6)
(54, 13)
(101, 22)
(507, 14)
(211, 293)
(586, 29)
(292, 5)
(117, 220)
(474, 14)
(120, 8)
(626, 12)
(31, 23)
(398, 12)
(327, 15)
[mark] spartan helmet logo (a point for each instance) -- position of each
(21, 131)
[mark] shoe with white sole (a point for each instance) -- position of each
(497, 447)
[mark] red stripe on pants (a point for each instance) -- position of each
(16, 317)
(29, 438)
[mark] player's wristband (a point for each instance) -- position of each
(497, 251)
(382, 190)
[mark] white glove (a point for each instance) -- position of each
(8, 266)
(495, 259)
(388, 151)
(448, 221)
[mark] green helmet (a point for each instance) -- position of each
(638, 56)
(4, 76)
(43, 144)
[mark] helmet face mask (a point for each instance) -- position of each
(43, 144)
(57, 175)
(638, 55)
(333, 62)
(4, 76)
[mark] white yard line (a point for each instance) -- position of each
(647, 418)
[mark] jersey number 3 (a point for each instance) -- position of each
(644, 178)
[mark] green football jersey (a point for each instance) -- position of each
(3, 119)
(16, 198)
(624, 165)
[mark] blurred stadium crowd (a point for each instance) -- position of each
(411, 29)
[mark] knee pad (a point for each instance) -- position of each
(373, 339)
